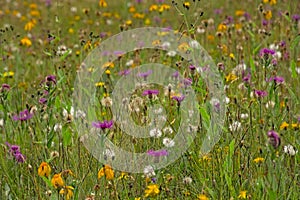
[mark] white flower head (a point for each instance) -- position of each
(149, 171)
(155, 133)
(290, 150)
(168, 142)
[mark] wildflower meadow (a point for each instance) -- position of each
(149, 99)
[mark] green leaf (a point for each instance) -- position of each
(295, 42)
(252, 65)
(293, 68)
(67, 136)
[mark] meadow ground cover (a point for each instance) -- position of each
(255, 45)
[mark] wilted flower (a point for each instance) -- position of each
(57, 181)
(67, 191)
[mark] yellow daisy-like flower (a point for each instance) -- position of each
(231, 77)
(29, 25)
(44, 169)
(259, 160)
(33, 6)
(152, 190)
(231, 55)
(26, 42)
(222, 27)
(99, 84)
(183, 47)
(186, 5)
(210, 38)
(239, 13)
(67, 191)
(102, 3)
(268, 14)
(9, 74)
(295, 126)
(132, 9)
(108, 65)
(128, 22)
(243, 194)
(35, 13)
(153, 7)
(284, 126)
(202, 197)
(106, 171)
(271, 2)
(57, 181)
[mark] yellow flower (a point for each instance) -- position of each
(9, 74)
(147, 21)
(106, 171)
(153, 7)
(152, 190)
(67, 191)
(107, 72)
(35, 13)
(284, 126)
(239, 13)
(137, 198)
(271, 2)
(295, 126)
(71, 30)
(99, 84)
(231, 55)
(26, 42)
(268, 14)
(102, 3)
(33, 6)
(259, 160)
(222, 27)
(132, 9)
(128, 22)
(44, 169)
(238, 26)
(138, 15)
(231, 77)
(29, 25)
(210, 38)
(183, 47)
(243, 194)
(202, 197)
(186, 5)
(108, 65)
(57, 181)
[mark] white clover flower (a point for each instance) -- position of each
(290, 150)
(155, 133)
(149, 171)
(235, 126)
(168, 142)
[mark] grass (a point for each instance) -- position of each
(248, 162)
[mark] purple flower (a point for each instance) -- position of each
(119, 53)
(187, 81)
(157, 153)
(265, 22)
(247, 16)
(175, 74)
(5, 87)
(15, 151)
(51, 78)
(218, 11)
(247, 78)
(260, 93)
(277, 79)
(145, 74)
(179, 99)
(282, 43)
(43, 100)
(124, 72)
(24, 115)
(266, 51)
(192, 67)
(150, 92)
(103, 125)
(274, 138)
(296, 17)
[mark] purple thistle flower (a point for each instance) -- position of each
(179, 99)
(277, 79)
(15, 151)
(5, 87)
(175, 74)
(103, 125)
(42, 100)
(187, 81)
(192, 67)
(157, 153)
(51, 78)
(218, 11)
(266, 51)
(124, 72)
(296, 17)
(145, 74)
(24, 115)
(274, 138)
(150, 92)
(247, 16)
(260, 93)
(247, 78)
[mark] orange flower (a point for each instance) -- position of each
(44, 169)
(57, 181)
(106, 171)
